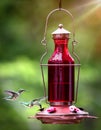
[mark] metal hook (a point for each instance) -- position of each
(60, 4)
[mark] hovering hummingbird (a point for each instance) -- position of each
(36, 101)
(13, 95)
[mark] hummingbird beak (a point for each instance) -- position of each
(41, 109)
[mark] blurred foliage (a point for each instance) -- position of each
(21, 31)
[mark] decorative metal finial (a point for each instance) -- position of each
(60, 25)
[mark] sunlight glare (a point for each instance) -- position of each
(98, 0)
(91, 6)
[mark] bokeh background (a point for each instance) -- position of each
(22, 25)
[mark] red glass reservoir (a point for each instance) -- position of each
(61, 70)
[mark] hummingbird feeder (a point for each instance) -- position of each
(62, 88)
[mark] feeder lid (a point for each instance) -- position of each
(61, 30)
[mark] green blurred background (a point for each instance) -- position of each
(22, 25)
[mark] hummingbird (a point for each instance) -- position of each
(34, 102)
(13, 95)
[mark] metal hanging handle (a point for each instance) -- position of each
(47, 19)
(74, 42)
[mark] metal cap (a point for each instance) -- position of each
(61, 33)
(61, 30)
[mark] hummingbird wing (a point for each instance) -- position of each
(42, 98)
(20, 91)
(11, 93)
(37, 100)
